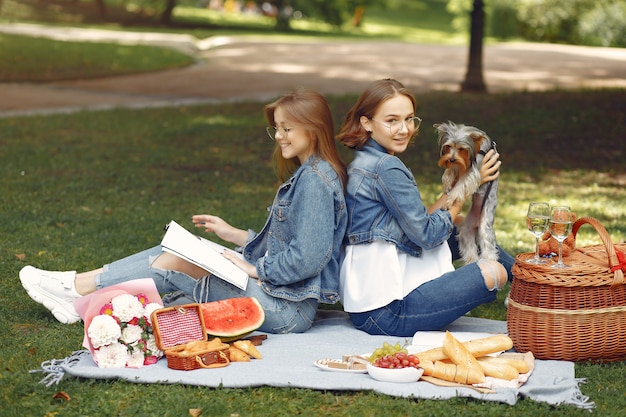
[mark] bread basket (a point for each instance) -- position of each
(180, 333)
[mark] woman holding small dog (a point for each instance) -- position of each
(292, 263)
(397, 275)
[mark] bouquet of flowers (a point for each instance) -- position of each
(121, 334)
(118, 328)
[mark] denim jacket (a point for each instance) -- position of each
(384, 203)
(297, 253)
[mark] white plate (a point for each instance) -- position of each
(394, 375)
(337, 365)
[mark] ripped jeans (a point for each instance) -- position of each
(435, 304)
(281, 316)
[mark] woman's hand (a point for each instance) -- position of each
(489, 170)
(221, 228)
(246, 267)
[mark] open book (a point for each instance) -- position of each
(203, 253)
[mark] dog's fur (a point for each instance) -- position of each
(462, 149)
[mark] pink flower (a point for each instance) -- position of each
(150, 360)
(107, 309)
(143, 299)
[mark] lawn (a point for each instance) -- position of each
(81, 190)
(84, 189)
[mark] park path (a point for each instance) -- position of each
(246, 68)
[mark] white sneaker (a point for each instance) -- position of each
(55, 290)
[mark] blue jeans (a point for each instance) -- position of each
(435, 304)
(281, 316)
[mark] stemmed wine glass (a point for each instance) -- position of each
(538, 220)
(560, 228)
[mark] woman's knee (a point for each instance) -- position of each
(168, 262)
(494, 274)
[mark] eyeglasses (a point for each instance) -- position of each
(272, 131)
(395, 126)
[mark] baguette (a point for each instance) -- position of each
(477, 347)
(452, 372)
(521, 366)
(458, 353)
(498, 370)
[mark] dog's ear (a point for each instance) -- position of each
(478, 136)
(441, 129)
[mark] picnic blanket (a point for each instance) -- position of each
(288, 361)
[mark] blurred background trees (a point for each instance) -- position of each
(582, 22)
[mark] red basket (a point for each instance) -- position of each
(180, 333)
(576, 313)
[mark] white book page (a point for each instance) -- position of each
(203, 253)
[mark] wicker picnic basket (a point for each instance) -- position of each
(576, 313)
(177, 329)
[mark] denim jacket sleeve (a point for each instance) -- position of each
(398, 191)
(302, 244)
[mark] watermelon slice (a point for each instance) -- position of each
(233, 317)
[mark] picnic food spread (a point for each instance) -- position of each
(474, 363)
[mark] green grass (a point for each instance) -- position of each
(24, 58)
(84, 189)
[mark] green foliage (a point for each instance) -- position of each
(604, 25)
(593, 22)
(83, 189)
(588, 22)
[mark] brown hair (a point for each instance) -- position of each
(351, 133)
(311, 111)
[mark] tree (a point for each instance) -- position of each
(474, 76)
(166, 16)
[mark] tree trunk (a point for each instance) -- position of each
(474, 77)
(166, 17)
(282, 19)
(102, 12)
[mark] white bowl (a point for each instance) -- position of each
(394, 375)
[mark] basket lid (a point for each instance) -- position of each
(178, 325)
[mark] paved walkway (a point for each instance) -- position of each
(231, 69)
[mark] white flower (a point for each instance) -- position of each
(131, 334)
(135, 360)
(114, 355)
(127, 306)
(151, 307)
(152, 346)
(103, 330)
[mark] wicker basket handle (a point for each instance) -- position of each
(218, 364)
(617, 260)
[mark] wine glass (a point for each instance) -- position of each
(538, 220)
(560, 228)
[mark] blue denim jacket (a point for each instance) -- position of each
(384, 203)
(297, 253)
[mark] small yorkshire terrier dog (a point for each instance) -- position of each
(462, 149)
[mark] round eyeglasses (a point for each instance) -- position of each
(272, 131)
(395, 126)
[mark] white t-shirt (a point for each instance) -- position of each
(375, 274)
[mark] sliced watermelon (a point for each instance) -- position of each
(233, 317)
